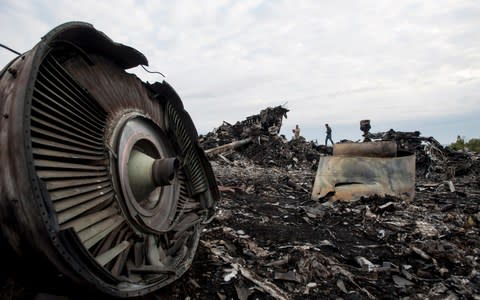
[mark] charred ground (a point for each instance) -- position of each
(372, 248)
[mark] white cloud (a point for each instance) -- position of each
(337, 60)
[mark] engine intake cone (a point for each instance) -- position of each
(146, 173)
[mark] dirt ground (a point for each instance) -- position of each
(372, 248)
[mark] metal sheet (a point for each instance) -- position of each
(75, 191)
(50, 143)
(349, 178)
(48, 133)
(73, 201)
(58, 184)
(108, 255)
(69, 214)
(70, 155)
(61, 165)
(95, 239)
(44, 174)
(95, 229)
(83, 222)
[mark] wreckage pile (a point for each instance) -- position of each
(257, 139)
(433, 160)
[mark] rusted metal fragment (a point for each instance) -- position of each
(353, 177)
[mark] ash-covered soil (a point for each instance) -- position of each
(372, 248)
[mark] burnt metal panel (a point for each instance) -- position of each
(351, 177)
(90, 40)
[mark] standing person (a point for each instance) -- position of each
(296, 132)
(329, 135)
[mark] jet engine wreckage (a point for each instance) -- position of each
(102, 177)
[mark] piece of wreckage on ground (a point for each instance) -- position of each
(103, 183)
(385, 163)
(261, 126)
(358, 170)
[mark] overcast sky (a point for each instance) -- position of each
(406, 65)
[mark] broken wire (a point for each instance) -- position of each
(10, 49)
(153, 72)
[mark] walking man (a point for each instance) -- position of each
(329, 135)
(296, 132)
